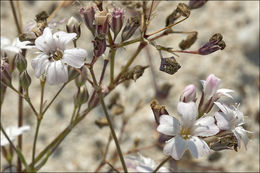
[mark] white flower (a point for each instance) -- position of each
(16, 47)
(142, 164)
(231, 119)
(54, 57)
(186, 133)
(12, 132)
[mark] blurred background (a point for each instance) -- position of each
(237, 65)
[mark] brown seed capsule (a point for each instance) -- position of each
(158, 110)
(169, 65)
(216, 37)
(134, 73)
(194, 4)
(183, 9)
(172, 17)
(189, 41)
(101, 122)
(118, 109)
(130, 28)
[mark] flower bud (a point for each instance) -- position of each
(134, 73)
(88, 15)
(188, 42)
(169, 65)
(194, 4)
(99, 46)
(73, 26)
(188, 94)
(82, 96)
(117, 20)
(81, 80)
(101, 22)
(20, 62)
(130, 28)
(25, 80)
(5, 72)
(72, 73)
(211, 85)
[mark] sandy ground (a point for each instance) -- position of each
(237, 65)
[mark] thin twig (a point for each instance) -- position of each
(162, 163)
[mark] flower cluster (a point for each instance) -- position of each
(197, 122)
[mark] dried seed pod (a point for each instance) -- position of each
(113, 100)
(189, 41)
(194, 4)
(183, 9)
(222, 44)
(130, 28)
(158, 110)
(88, 15)
(101, 122)
(169, 65)
(134, 73)
(172, 18)
(216, 37)
(118, 109)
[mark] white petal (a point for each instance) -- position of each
(11, 49)
(62, 38)
(175, 147)
(222, 121)
(45, 42)
(224, 92)
(238, 138)
(39, 64)
(13, 132)
(225, 109)
(168, 125)
(198, 147)
(57, 73)
(5, 42)
(242, 133)
(188, 112)
(205, 127)
(75, 57)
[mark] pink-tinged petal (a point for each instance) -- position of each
(211, 85)
(222, 121)
(205, 127)
(188, 94)
(175, 147)
(39, 64)
(188, 112)
(168, 125)
(57, 73)
(62, 38)
(242, 133)
(45, 42)
(74, 57)
(197, 147)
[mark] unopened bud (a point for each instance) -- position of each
(72, 73)
(134, 73)
(99, 46)
(73, 26)
(194, 4)
(188, 42)
(130, 28)
(88, 15)
(183, 9)
(117, 20)
(81, 79)
(211, 85)
(20, 62)
(169, 65)
(5, 72)
(158, 110)
(82, 96)
(188, 94)
(25, 80)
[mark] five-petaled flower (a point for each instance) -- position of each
(187, 133)
(54, 57)
(231, 119)
(12, 132)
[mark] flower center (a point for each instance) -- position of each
(57, 55)
(185, 133)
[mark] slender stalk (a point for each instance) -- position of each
(169, 26)
(19, 14)
(161, 164)
(73, 114)
(54, 98)
(15, 17)
(128, 42)
(55, 11)
(103, 72)
(34, 143)
(112, 53)
(109, 121)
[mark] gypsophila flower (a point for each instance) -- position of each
(12, 132)
(142, 164)
(231, 119)
(186, 134)
(16, 47)
(54, 57)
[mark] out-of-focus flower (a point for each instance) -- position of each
(194, 4)
(211, 93)
(16, 47)
(188, 94)
(186, 133)
(12, 132)
(231, 119)
(142, 164)
(54, 57)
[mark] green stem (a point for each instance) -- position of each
(112, 53)
(109, 120)
(161, 164)
(34, 142)
(128, 42)
(15, 17)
